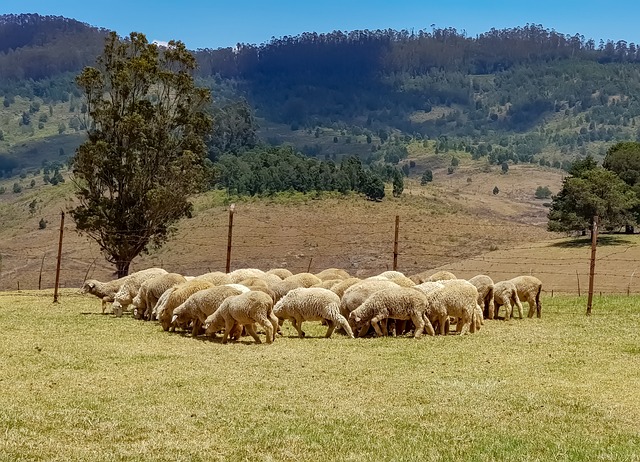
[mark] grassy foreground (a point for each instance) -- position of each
(78, 385)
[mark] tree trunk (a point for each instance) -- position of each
(122, 268)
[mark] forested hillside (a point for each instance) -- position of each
(522, 94)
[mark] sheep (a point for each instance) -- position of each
(529, 289)
(254, 282)
(397, 303)
(484, 284)
(282, 273)
(202, 304)
(176, 297)
(459, 299)
(244, 273)
(391, 274)
(333, 273)
(151, 290)
(130, 288)
(106, 291)
(217, 278)
(311, 304)
(293, 282)
(505, 293)
(355, 295)
(343, 285)
(244, 309)
(442, 276)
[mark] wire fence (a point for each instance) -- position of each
(314, 242)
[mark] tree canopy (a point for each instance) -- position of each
(145, 151)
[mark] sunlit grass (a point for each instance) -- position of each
(78, 385)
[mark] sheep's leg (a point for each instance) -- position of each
(265, 322)
(532, 309)
(251, 330)
(509, 310)
(538, 309)
(228, 325)
(297, 323)
(195, 330)
(383, 327)
(364, 329)
(274, 323)
(376, 327)
(401, 325)
(332, 326)
(419, 323)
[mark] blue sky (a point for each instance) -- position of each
(214, 24)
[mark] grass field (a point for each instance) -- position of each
(78, 385)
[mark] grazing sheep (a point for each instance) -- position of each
(178, 296)
(429, 286)
(151, 290)
(311, 304)
(402, 281)
(343, 285)
(397, 303)
(333, 273)
(246, 310)
(505, 293)
(484, 284)
(255, 282)
(391, 274)
(124, 296)
(244, 273)
(201, 305)
(217, 278)
(355, 295)
(442, 276)
(328, 284)
(106, 291)
(529, 289)
(458, 299)
(282, 273)
(293, 282)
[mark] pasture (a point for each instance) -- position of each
(81, 386)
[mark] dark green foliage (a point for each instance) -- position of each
(496, 190)
(398, 184)
(145, 152)
(592, 192)
(42, 224)
(505, 167)
(455, 161)
(542, 192)
(427, 177)
(17, 188)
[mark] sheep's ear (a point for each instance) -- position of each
(357, 319)
(173, 319)
(92, 285)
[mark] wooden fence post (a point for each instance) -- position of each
(231, 209)
(592, 266)
(395, 244)
(55, 290)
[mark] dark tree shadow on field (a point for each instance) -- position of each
(586, 241)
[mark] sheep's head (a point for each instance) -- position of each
(213, 324)
(88, 286)
(355, 320)
(181, 316)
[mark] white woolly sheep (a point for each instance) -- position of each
(311, 304)
(201, 305)
(390, 274)
(151, 290)
(355, 295)
(398, 303)
(484, 284)
(333, 273)
(343, 285)
(130, 288)
(442, 276)
(244, 273)
(505, 293)
(529, 289)
(176, 297)
(217, 278)
(293, 282)
(458, 299)
(244, 309)
(106, 291)
(282, 273)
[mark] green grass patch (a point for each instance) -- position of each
(78, 385)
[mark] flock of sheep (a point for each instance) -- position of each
(233, 303)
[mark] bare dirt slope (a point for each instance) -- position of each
(456, 223)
